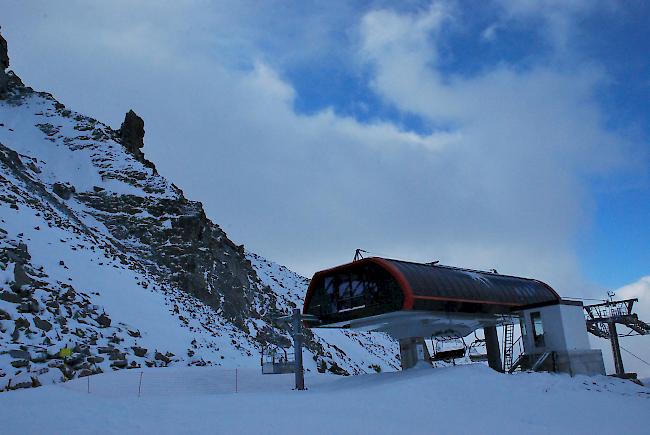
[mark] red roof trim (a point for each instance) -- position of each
(399, 277)
(409, 297)
(386, 265)
(471, 301)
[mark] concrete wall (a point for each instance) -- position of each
(564, 329)
(577, 362)
(565, 334)
(413, 350)
(575, 328)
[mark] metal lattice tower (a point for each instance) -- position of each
(602, 319)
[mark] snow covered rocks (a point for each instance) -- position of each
(106, 265)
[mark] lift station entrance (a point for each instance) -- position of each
(413, 301)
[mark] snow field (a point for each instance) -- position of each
(456, 400)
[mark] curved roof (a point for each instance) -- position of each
(424, 284)
(427, 281)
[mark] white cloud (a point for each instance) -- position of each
(529, 140)
(503, 186)
(641, 291)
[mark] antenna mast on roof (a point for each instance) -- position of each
(358, 254)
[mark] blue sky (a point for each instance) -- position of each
(615, 246)
(506, 134)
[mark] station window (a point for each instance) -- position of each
(538, 328)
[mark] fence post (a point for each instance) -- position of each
(88, 383)
(140, 384)
(236, 380)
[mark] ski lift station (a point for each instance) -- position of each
(417, 301)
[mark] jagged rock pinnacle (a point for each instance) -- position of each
(132, 134)
(4, 54)
(4, 64)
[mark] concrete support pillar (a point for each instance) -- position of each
(412, 350)
(492, 345)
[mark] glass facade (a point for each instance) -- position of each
(361, 291)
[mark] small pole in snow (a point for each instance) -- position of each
(88, 383)
(236, 380)
(140, 384)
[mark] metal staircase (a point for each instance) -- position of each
(508, 345)
(513, 350)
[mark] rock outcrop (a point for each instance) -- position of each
(106, 265)
(132, 133)
(4, 54)
(4, 64)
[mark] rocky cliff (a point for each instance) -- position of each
(105, 265)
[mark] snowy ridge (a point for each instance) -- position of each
(104, 259)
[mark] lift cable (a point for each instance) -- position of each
(637, 357)
(584, 299)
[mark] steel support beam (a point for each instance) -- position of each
(616, 349)
(412, 350)
(492, 345)
(296, 323)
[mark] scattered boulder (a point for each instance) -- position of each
(139, 351)
(4, 315)
(84, 372)
(29, 306)
(120, 364)
(20, 354)
(74, 360)
(63, 190)
(21, 323)
(104, 321)
(116, 356)
(42, 324)
(164, 358)
(21, 278)
(20, 363)
(10, 297)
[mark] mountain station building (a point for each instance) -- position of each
(413, 301)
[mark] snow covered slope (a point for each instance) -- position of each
(456, 400)
(104, 264)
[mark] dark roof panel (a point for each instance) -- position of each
(444, 282)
